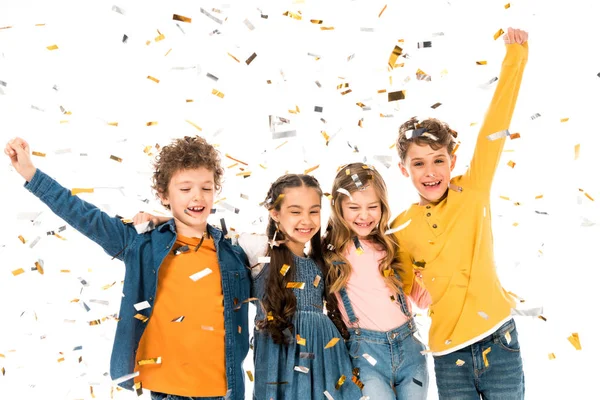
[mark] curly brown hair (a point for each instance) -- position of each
(185, 153)
(425, 133)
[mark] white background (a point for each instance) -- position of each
(550, 260)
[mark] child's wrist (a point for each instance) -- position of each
(29, 173)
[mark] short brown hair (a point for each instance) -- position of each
(425, 132)
(186, 153)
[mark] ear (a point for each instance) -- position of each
(403, 170)
(164, 198)
(452, 162)
(274, 215)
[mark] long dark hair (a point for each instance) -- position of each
(279, 302)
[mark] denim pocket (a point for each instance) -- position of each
(509, 340)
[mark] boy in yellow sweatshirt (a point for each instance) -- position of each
(447, 239)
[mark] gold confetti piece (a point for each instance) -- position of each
(300, 340)
(317, 280)
(460, 362)
(39, 268)
(65, 271)
(232, 56)
(53, 47)
(398, 95)
(481, 62)
(293, 15)
(235, 159)
(326, 28)
(564, 119)
(511, 164)
(394, 56)
(281, 145)
(311, 169)
(387, 272)
(507, 6)
(270, 316)
(586, 195)
(113, 123)
(217, 93)
(299, 368)
(514, 136)
(95, 322)
(284, 269)
(18, 271)
(250, 376)
(155, 360)
(505, 197)
(193, 124)
(151, 123)
(498, 34)
(295, 285)
(340, 382)
(5, 27)
(551, 356)
(574, 340)
(542, 318)
(577, 147)
(22, 239)
(507, 337)
(153, 79)
(141, 317)
(382, 10)
(515, 224)
(178, 319)
(251, 58)
(3, 371)
(316, 21)
(244, 174)
(436, 105)
(38, 154)
(332, 342)
(484, 354)
(115, 158)
(181, 18)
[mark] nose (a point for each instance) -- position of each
(364, 213)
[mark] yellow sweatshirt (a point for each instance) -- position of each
(453, 239)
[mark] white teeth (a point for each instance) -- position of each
(432, 183)
(196, 208)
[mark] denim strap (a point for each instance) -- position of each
(348, 306)
(403, 305)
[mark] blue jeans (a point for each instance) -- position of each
(164, 396)
(401, 369)
(501, 379)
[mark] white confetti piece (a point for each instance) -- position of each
(142, 305)
(125, 378)
(399, 228)
(199, 275)
(298, 368)
(264, 260)
(370, 359)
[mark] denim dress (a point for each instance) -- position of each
(278, 368)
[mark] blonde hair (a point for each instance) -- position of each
(339, 233)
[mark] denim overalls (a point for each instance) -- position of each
(390, 364)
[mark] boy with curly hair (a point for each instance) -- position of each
(183, 322)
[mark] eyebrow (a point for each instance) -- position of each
(435, 155)
(188, 181)
(296, 206)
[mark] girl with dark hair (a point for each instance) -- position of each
(298, 352)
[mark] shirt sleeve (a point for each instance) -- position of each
(498, 117)
(254, 246)
(109, 232)
(419, 295)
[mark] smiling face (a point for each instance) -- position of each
(363, 212)
(190, 195)
(299, 216)
(429, 171)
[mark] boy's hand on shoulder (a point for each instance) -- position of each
(142, 217)
(517, 36)
(18, 151)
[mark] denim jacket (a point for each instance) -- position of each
(143, 255)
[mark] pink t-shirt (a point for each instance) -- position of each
(370, 296)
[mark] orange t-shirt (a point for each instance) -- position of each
(192, 351)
